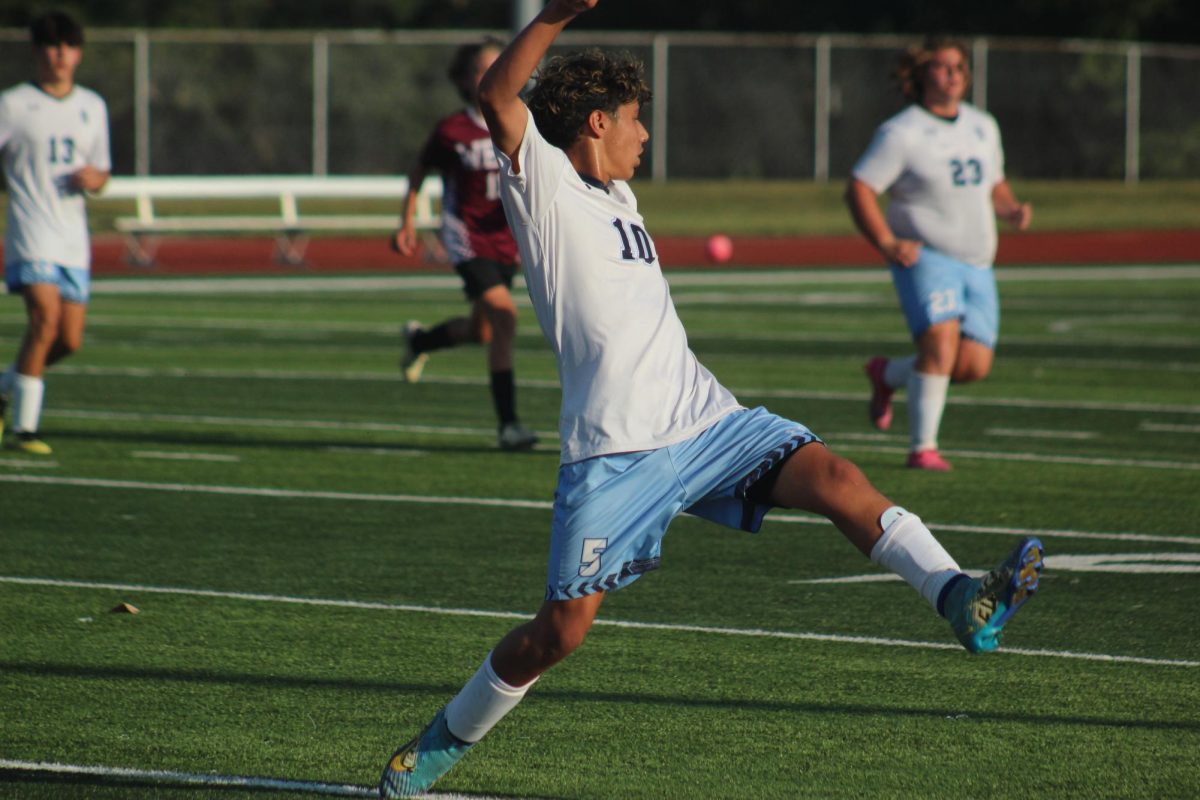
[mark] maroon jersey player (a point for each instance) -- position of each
(477, 240)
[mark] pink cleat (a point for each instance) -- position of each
(880, 409)
(928, 459)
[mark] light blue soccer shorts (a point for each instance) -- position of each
(611, 512)
(938, 288)
(74, 284)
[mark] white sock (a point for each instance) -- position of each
(482, 703)
(27, 403)
(896, 373)
(926, 400)
(908, 549)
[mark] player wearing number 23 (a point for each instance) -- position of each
(941, 162)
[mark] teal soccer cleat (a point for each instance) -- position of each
(978, 608)
(414, 767)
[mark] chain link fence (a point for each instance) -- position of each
(794, 107)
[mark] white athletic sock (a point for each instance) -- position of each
(8, 380)
(926, 400)
(27, 403)
(482, 703)
(908, 549)
(896, 373)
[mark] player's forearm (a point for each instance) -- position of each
(500, 89)
(416, 179)
(1008, 208)
(868, 218)
(1003, 200)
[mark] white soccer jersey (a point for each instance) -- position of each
(43, 139)
(629, 380)
(939, 175)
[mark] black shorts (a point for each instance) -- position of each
(481, 274)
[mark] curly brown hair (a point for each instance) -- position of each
(571, 87)
(910, 70)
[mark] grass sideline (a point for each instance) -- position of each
(247, 470)
(785, 208)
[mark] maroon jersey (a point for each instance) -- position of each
(473, 223)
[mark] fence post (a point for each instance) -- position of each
(979, 73)
(1133, 112)
(658, 110)
(320, 105)
(141, 103)
(822, 92)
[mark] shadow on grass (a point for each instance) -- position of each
(1023, 716)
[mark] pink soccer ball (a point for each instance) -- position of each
(718, 249)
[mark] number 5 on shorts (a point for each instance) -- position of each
(589, 562)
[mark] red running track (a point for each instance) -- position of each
(201, 255)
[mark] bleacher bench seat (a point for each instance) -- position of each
(290, 225)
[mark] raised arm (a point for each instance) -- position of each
(500, 89)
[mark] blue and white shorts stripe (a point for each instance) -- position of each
(611, 512)
(74, 283)
(938, 288)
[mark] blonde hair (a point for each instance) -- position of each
(910, 70)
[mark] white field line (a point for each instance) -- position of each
(1121, 563)
(1086, 461)
(377, 451)
(169, 456)
(788, 394)
(26, 463)
(293, 329)
(538, 505)
(625, 624)
(1031, 433)
(269, 422)
(1156, 427)
(741, 278)
(1072, 323)
(159, 776)
(263, 422)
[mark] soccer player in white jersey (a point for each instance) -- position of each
(647, 431)
(941, 163)
(54, 147)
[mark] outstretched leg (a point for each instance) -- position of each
(815, 479)
(496, 688)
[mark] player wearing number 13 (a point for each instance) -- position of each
(647, 432)
(54, 147)
(941, 162)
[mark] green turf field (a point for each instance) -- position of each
(303, 535)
